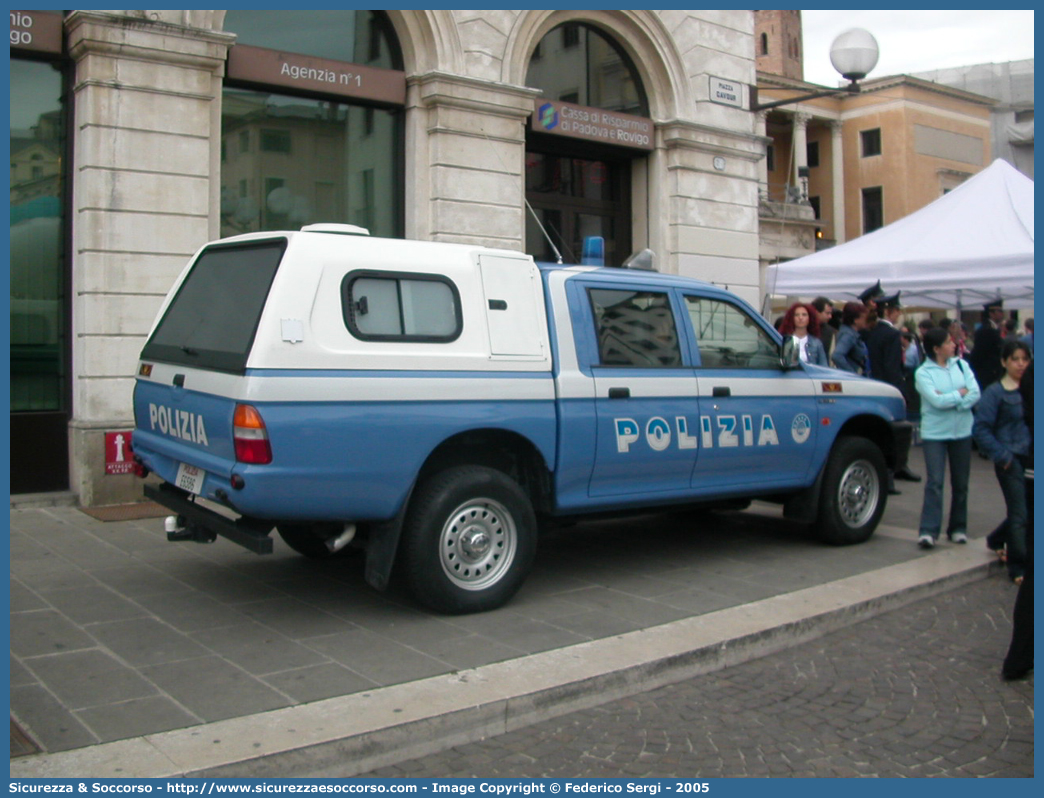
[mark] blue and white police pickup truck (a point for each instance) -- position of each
(434, 403)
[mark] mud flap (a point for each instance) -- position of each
(381, 549)
(803, 506)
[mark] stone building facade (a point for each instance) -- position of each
(145, 134)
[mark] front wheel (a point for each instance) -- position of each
(469, 540)
(853, 494)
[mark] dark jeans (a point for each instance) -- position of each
(903, 441)
(935, 456)
(1020, 653)
(1013, 531)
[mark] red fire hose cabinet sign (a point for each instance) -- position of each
(119, 457)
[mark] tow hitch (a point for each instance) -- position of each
(197, 523)
(180, 528)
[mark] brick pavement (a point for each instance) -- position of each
(122, 642)
(913, 692)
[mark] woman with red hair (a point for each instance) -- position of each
(802, 322)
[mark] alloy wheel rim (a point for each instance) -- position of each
(858, 493)
(477, 544)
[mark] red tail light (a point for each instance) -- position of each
(250, 436)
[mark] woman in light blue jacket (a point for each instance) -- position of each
(948, 392)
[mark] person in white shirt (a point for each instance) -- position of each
(802, 322)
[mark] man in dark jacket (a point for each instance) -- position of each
(886, 362)
(986, 350)
(825, 308)
(885, 342)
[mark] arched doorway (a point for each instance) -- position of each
(588, 128)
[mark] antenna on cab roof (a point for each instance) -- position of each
(558, 255)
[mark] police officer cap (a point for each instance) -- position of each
(872, 292)
(994, 303)
(890, 301)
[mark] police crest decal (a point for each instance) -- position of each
(801, 428)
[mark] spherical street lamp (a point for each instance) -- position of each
(854, 53)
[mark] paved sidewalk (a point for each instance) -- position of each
(912, 692)
(118, 635)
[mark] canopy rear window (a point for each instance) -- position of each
(212, 320)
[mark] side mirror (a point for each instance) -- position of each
(789, 354)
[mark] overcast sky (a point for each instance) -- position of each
(919, 41)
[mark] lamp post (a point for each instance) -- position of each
(853, 53)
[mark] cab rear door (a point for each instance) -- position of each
(645, 392)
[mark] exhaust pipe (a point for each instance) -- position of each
(337, 543)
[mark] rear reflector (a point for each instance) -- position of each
(250, 436)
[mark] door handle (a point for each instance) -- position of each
(619, 393)
(722, 390)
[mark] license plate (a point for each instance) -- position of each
(190, 478)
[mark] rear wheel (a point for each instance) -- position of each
(469, 540)
(853, 494)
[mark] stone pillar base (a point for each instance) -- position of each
(89, 478)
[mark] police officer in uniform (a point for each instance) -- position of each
(870, 296)
(886, 362)
(985, 358)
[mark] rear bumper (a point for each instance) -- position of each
(249, 533)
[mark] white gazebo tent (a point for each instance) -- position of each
(970, 245)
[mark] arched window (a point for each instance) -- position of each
(577, 63)
(575, 186)
(310, 150)
(764, 44)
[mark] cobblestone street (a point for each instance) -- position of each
(913, 692)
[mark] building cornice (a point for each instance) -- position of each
(120, 35)
(678, 133)
(473, 94)
(769, 82)
(882, 84)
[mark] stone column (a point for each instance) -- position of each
(467, 152)
(146, 158)
(711, 205)
(801, 151)
(761, 129)
(837, 163)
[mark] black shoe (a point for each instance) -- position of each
(894, 492)
(1016, 675)
(907, 474)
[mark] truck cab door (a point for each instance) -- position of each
(758, 423)
(645, 394)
